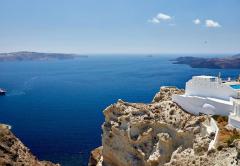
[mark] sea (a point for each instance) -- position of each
(55, 106)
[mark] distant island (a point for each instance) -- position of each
(36, 56)
(229, 62)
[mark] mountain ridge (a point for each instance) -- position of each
(228, 62)
(36, 56)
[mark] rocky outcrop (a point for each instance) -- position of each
(14, 153)
(157, 134)
(165, 93)
(224, 157)
(95, 157)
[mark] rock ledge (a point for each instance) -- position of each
(156, 134)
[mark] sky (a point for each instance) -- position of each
(120, 26)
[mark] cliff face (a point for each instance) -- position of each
(14, 153)
(160, 133)
(230, 62)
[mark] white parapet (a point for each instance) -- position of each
(215, 129)
(234, 117)
(208, 127)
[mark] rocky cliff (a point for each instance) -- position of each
(14, 153)
(229, 62)
(156, 134)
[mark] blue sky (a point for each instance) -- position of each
(120, 26)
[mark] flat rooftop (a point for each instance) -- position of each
(204, 76)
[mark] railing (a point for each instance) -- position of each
(215, 128)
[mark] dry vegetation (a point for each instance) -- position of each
(226, 136)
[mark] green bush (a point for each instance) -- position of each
(232, 138)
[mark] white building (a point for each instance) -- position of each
(209, 86)
(211, 95)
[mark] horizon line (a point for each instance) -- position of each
(130, 53)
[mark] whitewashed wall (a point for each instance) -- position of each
(196, 105)
(233, 121)
(234, 117)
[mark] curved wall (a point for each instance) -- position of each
(195, 105)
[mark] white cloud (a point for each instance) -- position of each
(212, 24)
(154, 20)
(160, 17)
(197, 21)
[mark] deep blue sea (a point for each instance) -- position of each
(55, 107)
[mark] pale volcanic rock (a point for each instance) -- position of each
(157, 134)
(146, 134)
(225, 157)
(166, 93)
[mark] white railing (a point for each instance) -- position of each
(215, 129)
